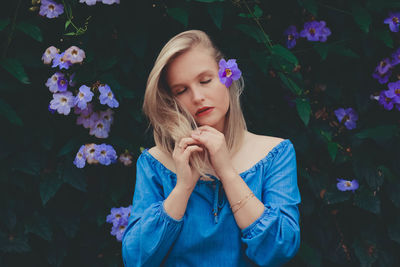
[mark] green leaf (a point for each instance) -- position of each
(310, 5)
(68, 147)
(385, 37)
(40, 226)
(333, 197)
(8, 112)
(49, 187)
(12, 243)
(31, 30)
(4, 23)
(75, 177)
(179, 14)
(70, 33)
(332, 149)
(361, 17)
(253, 32)
(309, 255)
(323, 50)
(393, 191)
(14, 67)
(382, 132)
(257, 13)
(216, 12)
(366, 200)
(290, 84)
(303, 109)
(67, 23)
(285, 53)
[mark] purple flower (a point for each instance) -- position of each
(228, 71)
(50, 9)
(80, 158)
(109, 2)
(394, 21)
(347, 116)
(382, 78)
(118, 214)
(89, 2)
(315, 31)
(51, 110)
(90, 152)
(62, 102)
(119, 229)
(107, 116)
(395, 58)
(60, 62)
(345, 185)
(52, 82)
(74, 55)
(292, 35)
(49, 54)
(107, 97)
(395, 87)
(106, 154)
(388, 98)
(62, 84)
(84, 96)
(384, 66)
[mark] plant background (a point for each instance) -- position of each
(53, 214)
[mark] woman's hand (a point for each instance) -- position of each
(187, 176)
(214, 141)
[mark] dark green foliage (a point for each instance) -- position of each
(53, 214)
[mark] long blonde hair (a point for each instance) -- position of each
(170, 121)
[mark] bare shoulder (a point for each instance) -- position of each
(163, 157)
(263, 142)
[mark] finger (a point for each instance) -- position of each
(184, 142)
(207, 128)
(190, 149)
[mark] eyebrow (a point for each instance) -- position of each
(200, 74)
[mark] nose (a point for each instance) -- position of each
(197, 95)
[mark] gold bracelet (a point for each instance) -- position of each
(240, 201)
(244, 202)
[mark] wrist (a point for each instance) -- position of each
(183, 189)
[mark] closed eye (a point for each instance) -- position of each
(204, 82)
(181, 91)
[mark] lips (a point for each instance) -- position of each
(203, 109)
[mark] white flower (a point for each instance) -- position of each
(49, 54)
(62, 102)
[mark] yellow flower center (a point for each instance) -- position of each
(228, 72)
(347, 183)
(100, 125)
(397, 91)
(312, 31)
(395, 20)
(81, 95)
(64, 100)
(52, 7)
(74, 52)
(109, 94)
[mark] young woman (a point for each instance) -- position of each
(209, 193)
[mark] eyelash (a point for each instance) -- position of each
(203, 82)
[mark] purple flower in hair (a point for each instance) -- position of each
(228, 71)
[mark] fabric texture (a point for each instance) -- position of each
(207, 235)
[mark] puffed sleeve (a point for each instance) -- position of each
(150, 231)
(274, 238)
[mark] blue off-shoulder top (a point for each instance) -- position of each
(207, 235)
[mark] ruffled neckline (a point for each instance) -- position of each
(271, 154)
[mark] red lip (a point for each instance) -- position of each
(202, 110)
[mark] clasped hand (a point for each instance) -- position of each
(205, 137)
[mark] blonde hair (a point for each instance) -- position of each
(170, 121)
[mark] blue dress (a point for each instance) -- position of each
(207, 235)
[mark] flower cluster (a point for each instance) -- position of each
(312, 30)
(125, 158)
(119, 219)
(228, 71)
(347, 116)
(64, 60)
(391, 97)
(93, 2)
(50, 9)
(94, 154)
(394, 21)
(346, 185)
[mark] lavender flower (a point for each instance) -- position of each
(80, 158)
(107, 116)
(347, 116)
(50, 9)
(59, 61)
(118, 230)
(110, 2)
(315, 31)
(125, 158)
(394, 21)
(119, 218)
(52, 82)
(52, 111)
(49, 54)
(391, 96)
(228, 72)
(90, 152)
(99, 128)
(84, 96)
(395, 58)
(89, 2)
(107, 97)
(62, 102)
(84, 116)
(62, 84)
(292, 35)
(345, 185)
(74, 55)
(106, 154)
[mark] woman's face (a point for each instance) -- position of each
(193, 80)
